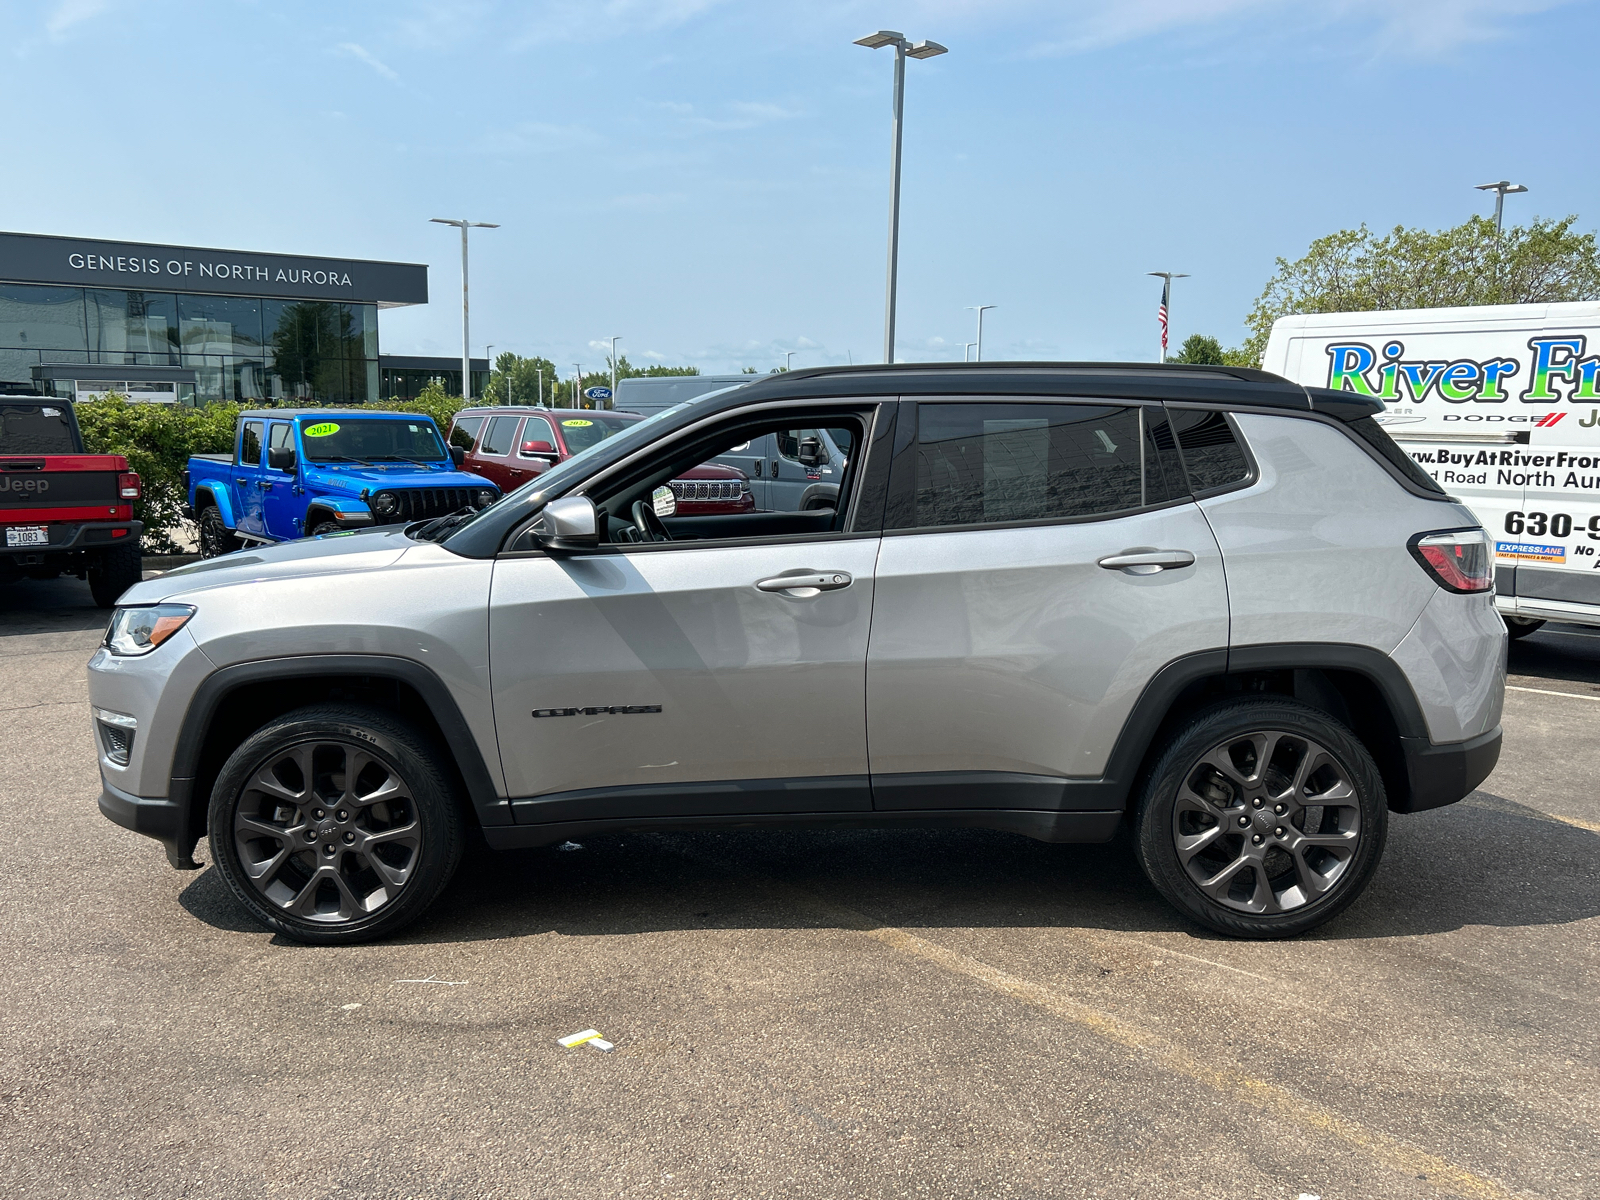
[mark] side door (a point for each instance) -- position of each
(281, 506)
(492, 459)
(752, 458)
(537, 451)
(1009, 644)
(248, 498)
(681, 678)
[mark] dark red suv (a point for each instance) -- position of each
(511, 445)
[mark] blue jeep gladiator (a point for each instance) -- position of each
(298, 472)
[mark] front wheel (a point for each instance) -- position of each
(335, 824)
(216, 539)
(114, 571)
(1263, 819)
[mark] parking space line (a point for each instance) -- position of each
(1281, 1103)
(1512, 687)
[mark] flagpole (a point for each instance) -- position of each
(1165, 314)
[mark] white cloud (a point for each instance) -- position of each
(362, 54)
(1416, 27)
(68, 13)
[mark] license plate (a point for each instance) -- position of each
(27, 535)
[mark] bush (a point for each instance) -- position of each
(157, 440)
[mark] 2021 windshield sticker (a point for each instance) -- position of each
(322, 429)
(1556, 363)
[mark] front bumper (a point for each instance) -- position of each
(1443, 774)
(166, 820)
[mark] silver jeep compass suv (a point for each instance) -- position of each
(1052, 598)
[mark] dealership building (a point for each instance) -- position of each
(80, 317)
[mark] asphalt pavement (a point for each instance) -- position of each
(858, 1014)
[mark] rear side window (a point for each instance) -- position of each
(498, 439)
(250, 444)
(465, 432)
(1211, 451)
(36, 429)
(977, 464)
(1374, 435)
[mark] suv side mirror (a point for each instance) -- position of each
(458, 456)
(811, 452)
(281, 458)
(532, 448)
(570, 523)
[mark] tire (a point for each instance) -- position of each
(1289, 868)
(325, 527)
(1520, 627)
(216, 539)
(311, 862)
(114, 571)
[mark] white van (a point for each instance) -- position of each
(1501, 405)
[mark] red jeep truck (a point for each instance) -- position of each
(63, 511)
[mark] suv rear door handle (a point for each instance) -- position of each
(808, 583)
(1147, 562)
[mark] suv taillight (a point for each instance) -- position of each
(128, 486)
(1460, 560)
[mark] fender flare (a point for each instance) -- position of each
(220, 498)
(818, 491)
(491, 808)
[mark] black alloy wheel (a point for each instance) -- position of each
(1263, 819)
(216, 539)
(335, 824)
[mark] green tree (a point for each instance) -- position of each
(1200, 350)
(521, 380)
(1354, 270)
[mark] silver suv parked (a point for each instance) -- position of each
(1054, 599)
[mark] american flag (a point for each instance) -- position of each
(1161, 314)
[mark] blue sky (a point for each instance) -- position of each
(708, 178)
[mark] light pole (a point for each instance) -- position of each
(540, 400)
(614, 342)
(466, 353)
(902, 50)
(966, 351)
(1164, 312)
(788, 357)
(488, 357)
(1501, 190)
(577, 386)
(980, 309)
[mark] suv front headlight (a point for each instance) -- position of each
(486, 497)
(385, 503)
(136, 631)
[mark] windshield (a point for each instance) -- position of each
(36, 429)
(557, 478)
(590, 429)
(365, 439)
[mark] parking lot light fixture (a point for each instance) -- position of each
(488, 357)
(614, 341)
(1501, 190)
(788, 357)
(902, 50)
(466, 343)
(980, 309)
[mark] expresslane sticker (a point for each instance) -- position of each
(321, 429)
(577, 424)
(1531, 552)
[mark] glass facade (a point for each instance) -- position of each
(406, 382)
(240, 348)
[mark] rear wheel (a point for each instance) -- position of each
(1520, 627)
(114, 571)
(1263, 819)
(215, 537)
(335, 824)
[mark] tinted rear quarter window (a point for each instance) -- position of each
(1376, 436)
(250, 444)
(498, 439)
(465, 432)
(1211, 451)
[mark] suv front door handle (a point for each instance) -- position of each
(806, 583)
(1147, 562)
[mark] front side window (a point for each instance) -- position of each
(363, 439)
(980, 464)
(537, 430)
(279, 436)
(250, 444)
(465, 432)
